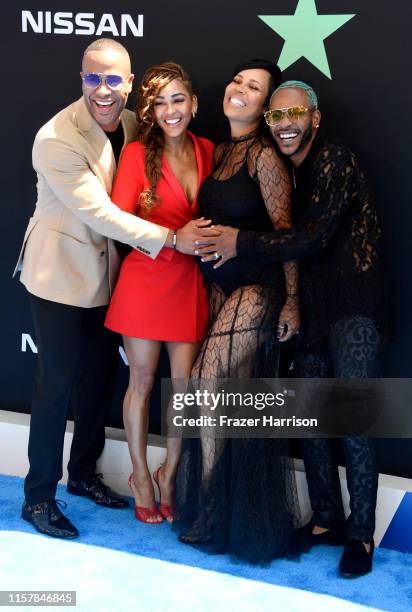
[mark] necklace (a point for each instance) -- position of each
(249, 136)
(294, 177)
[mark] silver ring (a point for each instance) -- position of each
(216, 255)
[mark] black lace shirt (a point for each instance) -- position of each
(338, 237)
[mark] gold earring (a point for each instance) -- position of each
(193, 114)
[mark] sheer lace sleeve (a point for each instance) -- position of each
(273, 179)
(334, 177)
(275, 186)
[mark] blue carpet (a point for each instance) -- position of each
(105, 579)
(388, 587)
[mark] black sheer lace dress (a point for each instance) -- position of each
(238, 495)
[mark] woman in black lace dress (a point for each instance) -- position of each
(238, 495)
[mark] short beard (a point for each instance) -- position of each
(307, 135)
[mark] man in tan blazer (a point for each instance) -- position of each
(68, 263)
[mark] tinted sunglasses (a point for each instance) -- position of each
(93, 80)
(293, 112)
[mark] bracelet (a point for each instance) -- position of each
(174, 239)
(292, 295)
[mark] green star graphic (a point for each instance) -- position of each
(304, 33)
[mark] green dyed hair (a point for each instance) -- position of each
(300, 85)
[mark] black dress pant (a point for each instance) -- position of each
(353, 351)
(76, 367)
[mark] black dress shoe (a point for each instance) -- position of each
(335, 536)
(355, 560)
(97, 491)
(47, 518)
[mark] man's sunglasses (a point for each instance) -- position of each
(93, 80)
(293, 112)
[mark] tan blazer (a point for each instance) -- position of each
(66, 256)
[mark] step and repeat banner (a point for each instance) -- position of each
(355, 53)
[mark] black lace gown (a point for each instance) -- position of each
(238, 495)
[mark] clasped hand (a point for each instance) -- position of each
(220, 248)
(195, 232)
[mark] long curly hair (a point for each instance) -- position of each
(148, 132)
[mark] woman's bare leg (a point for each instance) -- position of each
(181, 356)
(143, 357)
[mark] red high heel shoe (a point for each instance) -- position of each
(144, 514)
(166, 510)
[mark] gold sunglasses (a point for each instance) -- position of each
(293, 112)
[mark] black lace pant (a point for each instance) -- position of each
(354, 352)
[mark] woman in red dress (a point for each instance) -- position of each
(162, 300)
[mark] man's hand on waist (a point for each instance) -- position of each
(195, 232)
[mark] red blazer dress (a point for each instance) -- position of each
(165, 298)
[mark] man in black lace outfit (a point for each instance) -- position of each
(338, 239)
